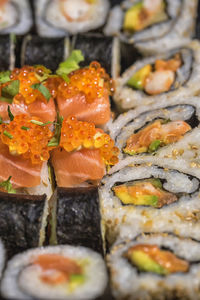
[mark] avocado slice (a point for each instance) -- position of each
(144, 263)
(122, 193)
(75, 280)
(137, 81)
(132, 17)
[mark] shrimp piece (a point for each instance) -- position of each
(153, 6)
(75, 11)
(159, 82)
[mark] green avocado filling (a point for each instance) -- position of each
(137, 81)
(138, 193)
(138, 17)
(145, 264)
(75, 280)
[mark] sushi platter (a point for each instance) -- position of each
(99, 149)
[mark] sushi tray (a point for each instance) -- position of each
(99, 149)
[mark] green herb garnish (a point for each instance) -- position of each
(45, 73)
(9, 91)
(40, 123)
(154, 146)
(10, 114)
(70, 64)
(7, 185)
(43, 90)
(55, 140)
(8, 134)
(5, 76)
(25, 128)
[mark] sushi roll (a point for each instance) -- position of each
(155, 266)
(44, 51)
(15, 17)
(23, 220)
(96, 47)
(63, 17)
(86, 93)
(157, 79)
(7, 52)
(28, 90)
(76, 211)
(150, 197)
(61, 272)
(153, 26)
(2, 257)
(82, 154)
(169, 132)
(24, 152)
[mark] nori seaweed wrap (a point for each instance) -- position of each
(7, 55)
(75, 218)
(43, 51)
(95, 47)
(23, 219)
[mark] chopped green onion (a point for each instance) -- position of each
(56, 138)
(40, 123)
(8, 134)
(25, 128)
(10, 114)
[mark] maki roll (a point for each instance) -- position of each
(170, 131)
(153, 26)
(28, 90)
(157, 79)
(15, 16)
(59, 18)
(24, 152)
(155, 266)
(82, 154)
(61, 272)
(150, 197)
(23, 220)
(43, 51)
(76, 211)
(86, 92)
(7, 55)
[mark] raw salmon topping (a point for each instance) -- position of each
(76, 135)
(151, 258)
(28, 137)
(90, 82)
(155, 135)
(28, 77)
(62, 268)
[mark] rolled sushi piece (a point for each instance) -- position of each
(171, 131)
(2, 257)
(64, 17)
(23, 220)
(61, 272)
(7, 52)
(44, 51)
(157, 79)
(28, 90)
(153, 26)
(155, 266)
(75, 218)
(15, 17)
(150, 197)
(24, 153)
(95, 47)
(83, 153)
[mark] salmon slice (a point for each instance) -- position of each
(23, 173)
(72, 169)
(46, 111)
(97, 112)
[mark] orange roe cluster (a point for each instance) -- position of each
(27, 77)
(92, 82)
(76, 135)
(27, 139)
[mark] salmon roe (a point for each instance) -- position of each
(92, 82)
(27, 77)
(27, 139)
(76, 135)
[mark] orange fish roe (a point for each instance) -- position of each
(27, 77)
(76, 135)
(27, 139)
(91, 81)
